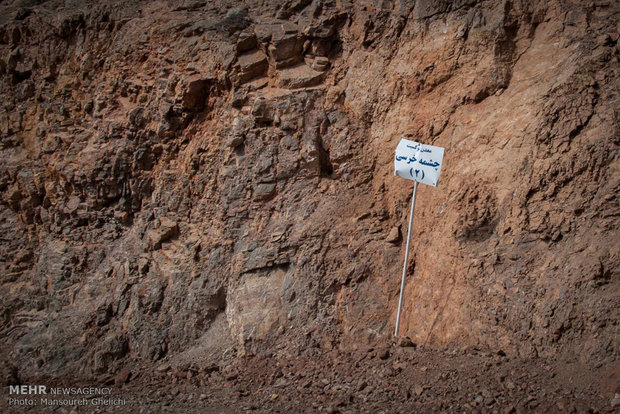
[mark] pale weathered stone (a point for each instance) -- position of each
(393, 236)
(320, 64)
(299, 76)
(252, 65)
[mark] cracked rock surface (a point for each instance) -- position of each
(199, 185)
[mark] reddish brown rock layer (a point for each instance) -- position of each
(201, 182)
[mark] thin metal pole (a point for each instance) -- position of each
(402, 281)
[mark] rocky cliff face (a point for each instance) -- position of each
(198, 181)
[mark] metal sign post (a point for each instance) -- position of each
(402, 280)
(420, 163)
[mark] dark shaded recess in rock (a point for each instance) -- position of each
(197, 94)
(327, 169)
(292, 7)
(236, 19)
(70, 27)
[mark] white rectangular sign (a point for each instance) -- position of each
(418, 162)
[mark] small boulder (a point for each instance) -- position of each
(300, 76)
(265, 191)
(137, 117)
(236, 136)
(239, 96)
(286, 42)
(246, 41)
(251, 65)
(195, 94)
(167, 230)
(394, 235)
(263, 110)
(405, 342)
(320, 64)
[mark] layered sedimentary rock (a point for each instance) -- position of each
(200, 181)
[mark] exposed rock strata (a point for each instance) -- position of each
(175, 176)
